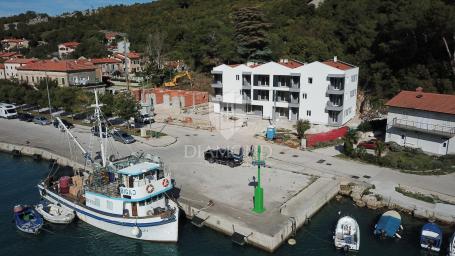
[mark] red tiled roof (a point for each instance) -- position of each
(9, 54)
(19, 61)
(110, 35)
(338, 64)
(71, 44)
(105, 60)
(291, 64)
(59, 65)
(233, 65)
(13, 40)
(434, 102)
(131, 55)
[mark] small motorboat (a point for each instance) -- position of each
(452, 246)
(431, 237)
(55, 213)
(27, 219)
(347, 234)
(388, 225)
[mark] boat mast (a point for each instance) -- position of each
(86, 154)
(98, 119)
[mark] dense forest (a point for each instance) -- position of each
(398, 44)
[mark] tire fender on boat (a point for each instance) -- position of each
(149, 188)
(165, 183)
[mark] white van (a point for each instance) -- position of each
(8, 111)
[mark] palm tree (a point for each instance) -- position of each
(380, 148)
(350, 139)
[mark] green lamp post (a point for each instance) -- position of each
(259, 191)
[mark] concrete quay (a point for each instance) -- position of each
(219, 195)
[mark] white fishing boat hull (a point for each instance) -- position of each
(340, 237)
(66, 216)
(452, 246)
(149, 229)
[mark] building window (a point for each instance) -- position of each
(310, 80)
(353, 78)
(237, 77)
(63, 80)
(308, 112)
(304, 95)
(353, 93)
(444, 144)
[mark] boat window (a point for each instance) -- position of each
(161, 174)
(109, 205)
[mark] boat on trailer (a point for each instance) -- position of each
(27, 219)
(388, 225)
(55, 213)
(452, 245)
(431, 237)
(126, 196)
(347, 234)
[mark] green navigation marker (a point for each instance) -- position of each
(258, 191)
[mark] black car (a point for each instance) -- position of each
(224, 156)
(123, 137)
(25, 117)
(66, 123)
(96, 131)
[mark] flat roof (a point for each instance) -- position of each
(138, 168)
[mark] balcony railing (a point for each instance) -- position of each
(442, 130)
(217, 84)
(335, 90)
(217, 98)
(334, 107)
(246, 99)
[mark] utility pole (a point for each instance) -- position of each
(48, 97)
(258, 190)
(125, 42)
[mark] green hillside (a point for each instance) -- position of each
(398, 44)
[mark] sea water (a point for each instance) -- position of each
(19, 176)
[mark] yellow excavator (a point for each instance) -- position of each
(173, 82)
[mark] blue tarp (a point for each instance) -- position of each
(388, 225)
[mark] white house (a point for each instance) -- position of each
(422, 120)
(321, 92)
(12, 65)
(66, 49)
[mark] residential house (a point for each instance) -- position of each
(12, 65)
(321, 92)
(65, 72)
(422, 120)
(133, 62)
(66, 49)
(13, 43)
(107, 67)
(2, 71)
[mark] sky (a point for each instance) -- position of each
(56, 7)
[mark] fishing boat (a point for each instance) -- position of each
(431, 237)
(452, 246)
(124, 195)
(55, 213)
(347, 234)
(27, 219)
(388, 225)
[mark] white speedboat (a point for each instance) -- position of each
(127, 196)
(452, 245)
(347, 234)
(55, 213)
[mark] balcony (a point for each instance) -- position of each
(441, 130)
(217, 98)
(333, 107)
(246, 99)
(335, 90)
(246, 85)
(217, 84)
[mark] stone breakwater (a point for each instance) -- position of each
(364, 195)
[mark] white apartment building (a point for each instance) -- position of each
(321, 92)
(422, 120)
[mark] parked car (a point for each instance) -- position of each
(8, 111)
(371, 144)
(26, 117)
(41, 120)
(66, 123)
(224, 156)
(146, 119)
(122, 136)
(96, 131)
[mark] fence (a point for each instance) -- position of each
(313, 139)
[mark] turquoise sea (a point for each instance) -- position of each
(19, 176)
